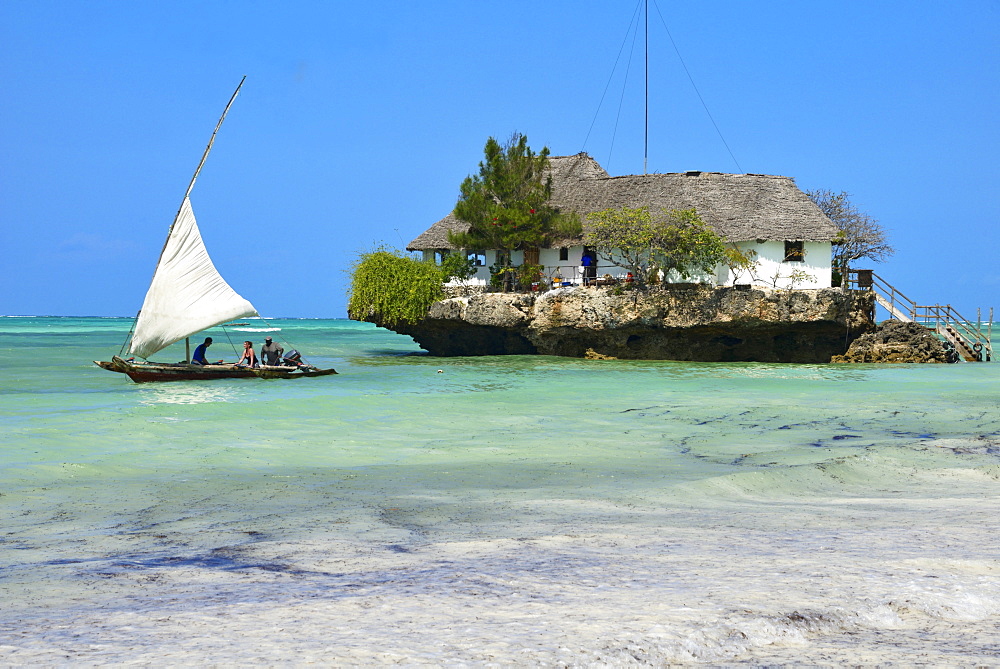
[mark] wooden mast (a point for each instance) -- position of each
(211, 141)
(201, 164)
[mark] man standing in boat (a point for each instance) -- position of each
(270, 353)
(199, 353)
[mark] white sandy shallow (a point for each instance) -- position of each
(901, 576)
(524, 511)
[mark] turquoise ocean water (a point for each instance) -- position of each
(491, 511)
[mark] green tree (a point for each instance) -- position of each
(624, 237)
(675, 241)
(507, 204)
(860, 236)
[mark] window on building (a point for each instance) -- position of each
(440, 255)
(477, 257)
(794, 251)
(531, 256)
(563, 253)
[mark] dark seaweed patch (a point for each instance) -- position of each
(913, 435)
(217, 560)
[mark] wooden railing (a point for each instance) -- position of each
(970, 340)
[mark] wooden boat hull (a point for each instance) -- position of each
(144, 372)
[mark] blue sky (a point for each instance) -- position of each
(358, 121)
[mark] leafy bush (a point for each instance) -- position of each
(457, 265)
(527, 275)
(392, 287)
(740, 262)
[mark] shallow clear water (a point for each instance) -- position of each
(516, 510)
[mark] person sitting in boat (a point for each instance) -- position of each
(249, 358)
(199, 352)
(270, 353)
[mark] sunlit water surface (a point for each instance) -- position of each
(508, 511)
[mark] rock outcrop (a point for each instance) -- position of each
(896, 341)
(675, 322)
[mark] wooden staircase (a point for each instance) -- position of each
(962, 347)
(968, 338)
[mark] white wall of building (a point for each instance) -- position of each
(773, 271)
(771, 268)
(549, 259)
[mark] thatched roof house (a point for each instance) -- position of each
(740, 207)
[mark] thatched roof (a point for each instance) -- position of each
(740, 207)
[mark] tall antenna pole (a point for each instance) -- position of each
(645, 148)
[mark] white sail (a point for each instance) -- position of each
(187, 294)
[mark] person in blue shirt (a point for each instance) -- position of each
(199, 353)
(588, 268)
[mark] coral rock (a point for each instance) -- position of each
(674, 322)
